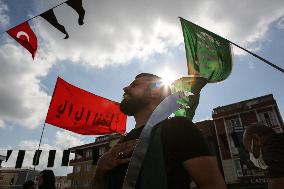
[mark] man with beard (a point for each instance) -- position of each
(185, 152)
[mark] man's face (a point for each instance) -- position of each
(136, 96)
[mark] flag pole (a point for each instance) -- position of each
(44, 123)
(255, 55)
(259, 57)
(37, 155)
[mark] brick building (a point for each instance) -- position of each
(229, 122)
(61, 182)
(86, 157)
(224, 134)
(15, 178)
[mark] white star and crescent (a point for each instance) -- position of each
(20, 33)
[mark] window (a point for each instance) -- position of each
(102, 150)
(102, 138)
(268, 118)
(77, 169)
(234, 128)
(87, 183)
(75, 183)
(88, 167)
(77, 156)
(89, 153)
(234, 125)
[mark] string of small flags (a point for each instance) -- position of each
(24, 35)
(6, 155)
(36, 157)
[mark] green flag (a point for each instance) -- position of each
(192, 85)
(209, 60)
(208, 55)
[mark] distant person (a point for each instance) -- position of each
(266, 148)
(46, 180)
(29, 185)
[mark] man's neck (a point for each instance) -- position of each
(142, 116)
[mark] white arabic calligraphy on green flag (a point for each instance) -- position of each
(208, 55)
(209, 60)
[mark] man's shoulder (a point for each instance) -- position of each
(181, 137)
(178, 122)
(180, 126)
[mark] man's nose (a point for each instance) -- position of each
(125, 89)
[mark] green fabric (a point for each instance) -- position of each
(187, 112)
(192, 84)
(208, 55)
(153, 173)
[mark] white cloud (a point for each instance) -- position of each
(116, 32)
(280, 23)
(22, 100)
(4, 18)
(66, 139)
(2, 124)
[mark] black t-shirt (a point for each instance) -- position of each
(273, 155)
(181, 140)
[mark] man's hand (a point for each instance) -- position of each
(117, 155)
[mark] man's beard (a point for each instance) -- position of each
(132, 105)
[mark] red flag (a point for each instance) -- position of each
(82, 112)
(24, 35)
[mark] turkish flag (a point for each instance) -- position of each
(82, 112)
(24, 35)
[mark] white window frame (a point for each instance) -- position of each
(268, 118)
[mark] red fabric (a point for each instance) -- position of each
(24, 35)
(77, 110)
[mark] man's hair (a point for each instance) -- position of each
(259, 129)
(158, 83)
(28, 184)
(148, 75)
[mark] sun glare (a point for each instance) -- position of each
(168, 77)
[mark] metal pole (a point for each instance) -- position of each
(37, 155)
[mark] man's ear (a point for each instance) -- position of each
(157, 94)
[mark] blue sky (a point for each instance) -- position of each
(118, 41)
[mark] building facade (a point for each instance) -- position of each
(11, 178)
(230, 122)
(86, 157)
(61, 182)
(224, 135)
